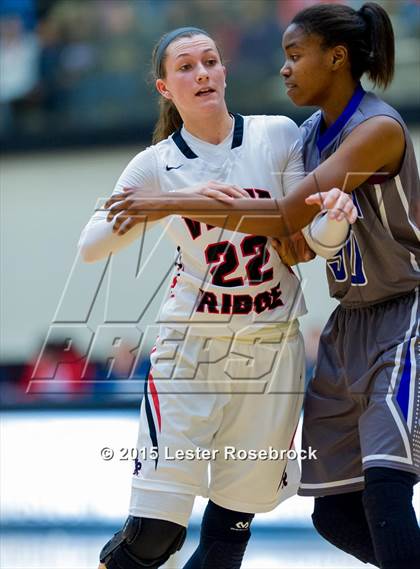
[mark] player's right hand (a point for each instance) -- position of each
(338, 204)
(217, 191)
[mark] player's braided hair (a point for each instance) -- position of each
(169, 119)
(367, 33)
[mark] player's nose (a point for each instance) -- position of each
(285, 70)
(202, 73)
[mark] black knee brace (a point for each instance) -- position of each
(340, 519)
(223, 539)
(143, 543)
(392, 521)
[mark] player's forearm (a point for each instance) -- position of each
(260, 217)
(246, 216)
(97, 240)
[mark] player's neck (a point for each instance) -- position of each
(212, 129)
(337, 99)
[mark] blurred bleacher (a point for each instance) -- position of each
(77, 73)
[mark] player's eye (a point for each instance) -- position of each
(293, 58)
(185, 67)
(211, 62)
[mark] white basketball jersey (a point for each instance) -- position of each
(221, 275)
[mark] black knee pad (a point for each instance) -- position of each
(387, 500)
(340, 519)
(223, 539)
(226, 525)
(143, 543)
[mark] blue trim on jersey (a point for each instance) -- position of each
(238, 135)
(404, 387)
(324, 139)
(182, 145)
(238, 130)
(150, 421)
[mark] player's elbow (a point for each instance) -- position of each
(87, 255)
(87, 251)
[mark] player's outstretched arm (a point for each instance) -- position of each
(377, 145)
(262, 217)
(357, 158)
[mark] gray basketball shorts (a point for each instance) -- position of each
(362, 407)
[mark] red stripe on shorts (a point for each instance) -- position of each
(155, 398)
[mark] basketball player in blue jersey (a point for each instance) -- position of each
(362, 409)
(230, 295)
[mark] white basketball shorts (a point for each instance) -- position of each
(217, 419)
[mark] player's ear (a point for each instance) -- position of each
(225, 72)
(339, 56)
(162, 89)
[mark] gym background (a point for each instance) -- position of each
(76, 104)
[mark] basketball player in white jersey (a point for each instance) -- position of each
(227, 368)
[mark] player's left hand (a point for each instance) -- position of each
(336, 203)
(135, 205)
(293, 250)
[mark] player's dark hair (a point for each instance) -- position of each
(367, 33)
(169, 120)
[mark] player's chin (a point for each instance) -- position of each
(297, 97)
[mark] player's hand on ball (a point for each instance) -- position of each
(338, 204)
(293, 249)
